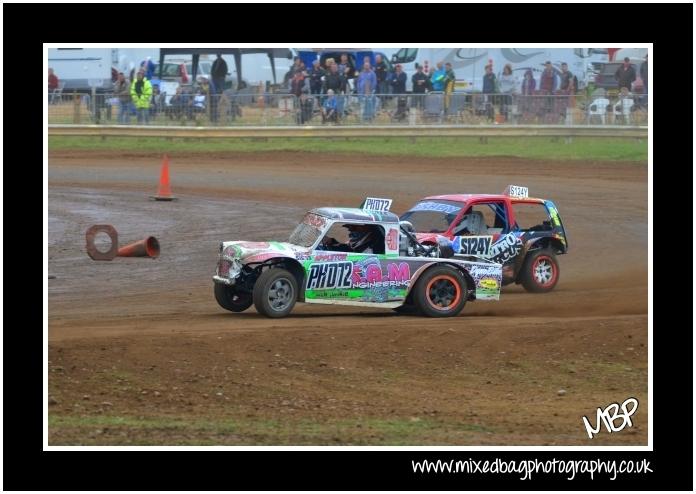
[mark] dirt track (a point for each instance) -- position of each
(140, 352)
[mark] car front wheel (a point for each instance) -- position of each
(275, 293)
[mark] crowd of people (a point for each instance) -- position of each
(327, 90)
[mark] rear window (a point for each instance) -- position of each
(531, 217)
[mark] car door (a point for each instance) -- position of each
(356, 278)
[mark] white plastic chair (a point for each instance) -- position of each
(623, 108)
(598, 107)
(58, 92)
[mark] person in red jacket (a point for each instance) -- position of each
(52, 84)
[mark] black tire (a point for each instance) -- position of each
(278, 304)
(440, 292)
(228, 297)
(540, 271)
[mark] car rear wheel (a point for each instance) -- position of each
(440, 292)
(228, 297)
(540, 271)
(275, 293)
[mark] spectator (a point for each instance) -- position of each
(528, 84)
(306, 107)
(334, 80)
(207, 89)
(528, 89)
(548, 79)
(489, 90)
(626, 74)
(346, 67)
(329, 110)
(316, 77)
(178, 105)
(382, 73)
(157, 103)
(141, 93)
(547, 85)
(397, 80)
(219, 73)
(437, 79)
(52, 83)
(148, 67)
(291, 73)
(297, 83)
(567, 80)
(367, 83)
(122, 92)
(644, 74)
(420, 85)
(508, 87)
(567, 87)
(450, 78)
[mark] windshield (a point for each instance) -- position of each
(308, 231)
(432, 216)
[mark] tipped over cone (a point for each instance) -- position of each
(147, 247)
(164, 192)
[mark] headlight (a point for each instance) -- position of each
(235, 268)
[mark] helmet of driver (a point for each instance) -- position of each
(359, 236)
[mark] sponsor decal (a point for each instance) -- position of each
(479, 272)
(506, 248)
(330, 275)
(232, 251)
(489, 283)
(554, 216)
(254, 245)
(330, 294)
(369, 274)
(339, 256)
(393, 239)
(376, 204)
(314, 220)
(476, 245)
(436, 206)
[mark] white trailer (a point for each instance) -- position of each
(82, 69)
(469, 63)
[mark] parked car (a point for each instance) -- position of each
(328, 260)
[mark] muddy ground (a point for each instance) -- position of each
(140, 352)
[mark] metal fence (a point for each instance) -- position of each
(278, 109)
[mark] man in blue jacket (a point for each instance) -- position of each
(437, 79)
(367, 84)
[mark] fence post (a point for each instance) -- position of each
(76, 108)
(94, 104)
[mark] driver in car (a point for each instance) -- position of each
(364, 239)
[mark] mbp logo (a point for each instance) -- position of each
(610, 414)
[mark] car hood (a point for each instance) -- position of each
(261, 251)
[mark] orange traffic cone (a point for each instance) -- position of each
(164, 193)
(148, 247)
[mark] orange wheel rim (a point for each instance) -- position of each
(443, 292)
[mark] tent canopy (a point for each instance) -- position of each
(236, 52)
